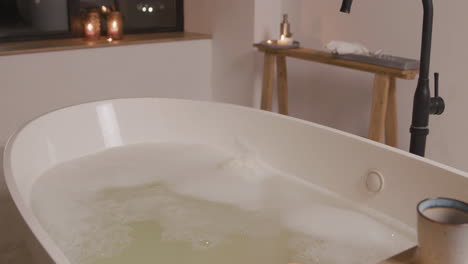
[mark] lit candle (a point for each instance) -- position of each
(285, 41)
(92, 27)
(115, 25)
(104, 9)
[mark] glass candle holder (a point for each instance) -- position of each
(115, 25)
(92, 26)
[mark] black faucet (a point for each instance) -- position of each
(424, 105)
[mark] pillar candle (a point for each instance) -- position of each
(115, 25)
(92, 26)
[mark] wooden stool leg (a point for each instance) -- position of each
(379, 107)
(391, 122)
(282, 76)
(268, 78)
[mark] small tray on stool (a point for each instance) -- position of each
(382, 60)
(274, 45)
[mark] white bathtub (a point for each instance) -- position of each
(329, 158)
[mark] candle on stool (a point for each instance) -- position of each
(285, 41)
(92, 26)
(115, 25)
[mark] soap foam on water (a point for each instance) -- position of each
(208, 198)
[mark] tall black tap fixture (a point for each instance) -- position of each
(424, 105)
(346, 6)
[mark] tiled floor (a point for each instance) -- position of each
(13, 247)
(15, 253)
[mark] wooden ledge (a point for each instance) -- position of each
(13, 48)
(328, 58)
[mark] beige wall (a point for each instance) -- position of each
(36, 83)
(233, 56)
(235, 26)
(341, 98)
(199, 15)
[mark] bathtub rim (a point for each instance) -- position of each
(52, 248)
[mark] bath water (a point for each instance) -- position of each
(192, 203)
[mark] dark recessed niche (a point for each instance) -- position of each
(47, 19)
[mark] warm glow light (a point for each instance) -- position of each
(114, 25)
(104, 9)
(143, 9)
(92, 26)
(284, 41)
(269, 41)
(109, 40)
(150, 9)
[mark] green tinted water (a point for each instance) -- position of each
(174, 203)
(149, 247)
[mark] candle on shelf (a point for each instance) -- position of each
(92, 26)
(114, 25)
(286, 35)
(285, 41)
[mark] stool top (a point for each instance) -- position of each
(330, 59)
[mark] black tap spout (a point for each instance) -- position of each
(423, 104)
(346, 6)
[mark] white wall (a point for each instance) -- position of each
(341, 98)
(34, 84)
(199, 15)
(233, 56)
(234, 59)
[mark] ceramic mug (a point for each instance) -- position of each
(443, 231)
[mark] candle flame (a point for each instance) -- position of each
(104, 9)
(114, 24)
(90, 27)
(109, 40)
(283, 37)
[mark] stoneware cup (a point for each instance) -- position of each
(443, 231)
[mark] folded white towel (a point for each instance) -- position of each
(342, 47)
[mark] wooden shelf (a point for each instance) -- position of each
(13, 48)
(328, 58)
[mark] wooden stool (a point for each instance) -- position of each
(383, 120)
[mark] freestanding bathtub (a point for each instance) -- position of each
(326, 157)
